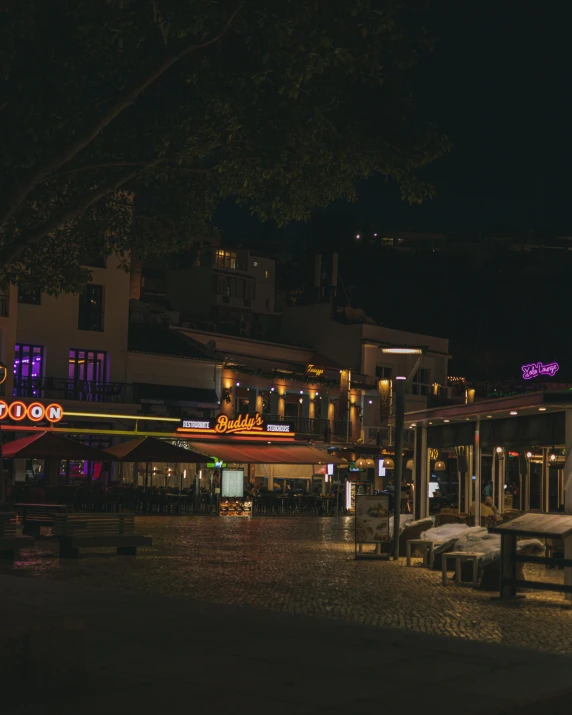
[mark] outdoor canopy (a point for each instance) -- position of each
(48, 445)
(265, 453)
(151, 449)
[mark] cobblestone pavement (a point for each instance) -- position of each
(306, 566)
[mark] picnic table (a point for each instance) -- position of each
(547, 526)
(34, 516)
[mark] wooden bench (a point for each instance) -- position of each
(79, 531)
(10, 542)
(34, 516)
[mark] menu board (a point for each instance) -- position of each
(354, 489)
(232, 482)
(372, 519)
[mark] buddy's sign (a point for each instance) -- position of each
(247, 425)
(35, 411)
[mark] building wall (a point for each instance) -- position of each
(192, 289)
(54, 324)
(164, 370)
(263, 270)
(8, 326)
(312, 326)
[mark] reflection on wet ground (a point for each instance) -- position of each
(306, 565)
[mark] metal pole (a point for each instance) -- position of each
(349, 413)
(399, 428)
(477, 468)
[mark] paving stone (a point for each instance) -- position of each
(306, 566)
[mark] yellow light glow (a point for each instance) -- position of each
(121, 417)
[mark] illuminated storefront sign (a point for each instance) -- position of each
(246, 424)
(315, 370)
(35, 411)
(537, 368)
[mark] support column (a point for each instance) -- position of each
(544, 484)
(421, 473)
(470, 498)
(274, 402)
(477, 471)
(568, 463)
(252, 400)
(526, 495)
(501, 482)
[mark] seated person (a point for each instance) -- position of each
(486, 510)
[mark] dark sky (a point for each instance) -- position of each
(499, 84)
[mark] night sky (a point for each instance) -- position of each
(498, 83)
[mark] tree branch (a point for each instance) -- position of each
(158, 20)
(22, 189)
(122, 164)
(13, 250)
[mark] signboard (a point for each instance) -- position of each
(245, 424)
(315, 370)
(232, 483)
(536, 369)
(35, 411)
(216, 463)
(353, 489)
(372, 525)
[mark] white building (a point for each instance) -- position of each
(353, 342)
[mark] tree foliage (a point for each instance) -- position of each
(133, 119)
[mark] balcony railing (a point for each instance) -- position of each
(313, 427)
(55, 388)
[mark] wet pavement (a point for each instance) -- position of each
(306, 566)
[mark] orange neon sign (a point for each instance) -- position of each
(252, 425)
(35, 411)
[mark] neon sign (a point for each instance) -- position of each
(245, 424)
(537, 368)
(35, 411)
(312, 369)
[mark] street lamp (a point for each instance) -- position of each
(400, 381)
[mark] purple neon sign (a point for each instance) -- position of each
(537, 368)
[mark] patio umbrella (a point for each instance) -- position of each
(151, 449)
(48, 445)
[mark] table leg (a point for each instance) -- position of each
(568, 569)
(508, 566)
(431, 555)
(458, 569)
(444, 570)
(475, 573)
(408, 553)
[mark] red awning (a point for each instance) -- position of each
(265, 453)
(151, 449)
(48, 445)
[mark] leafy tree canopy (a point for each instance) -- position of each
(133, 119)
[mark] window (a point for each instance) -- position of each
(29, 296)
(383, 373)
(28, 370)
(225, 259)
(87, 365)
(248, 289)
(421, 382)
(91, 308)
(266, 274)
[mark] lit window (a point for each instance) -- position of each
(28, 369)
